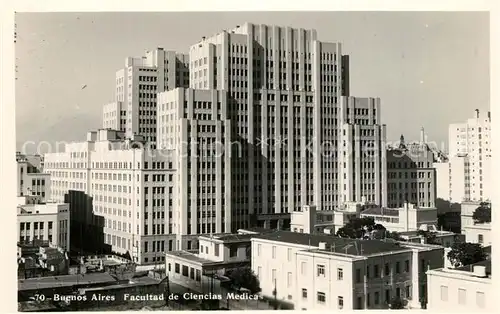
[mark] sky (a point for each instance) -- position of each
(430, 69)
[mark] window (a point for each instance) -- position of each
(304, 293)
(387, 295)
(259, 272)
(358, 275)
(233, 251)
(398, 267)
(177, 268)
(367, 271)
(340, 274)
(259, 248)
(376, 272)
(407, 266)
(462, 296)
(480, 238)
(340, 302)
(216, 249)
(289, 255)
(359, 303)
(321, 297)
(377, 298)
(303, 268)
(321, 270)
(480, 299)
(289, 280)
(387, 269)
(274, 252)
(368, 301)
(408, 292)
(444, 293)
(273, 275)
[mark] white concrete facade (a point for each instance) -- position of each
(324, 277)
(191, 123)
(132, 188)
(45, 222)
(285, 91)
(407, 218)
(31, 181)
(467, 289)
(114, 116)
(473, 139)
(138, 83)
(474, 232)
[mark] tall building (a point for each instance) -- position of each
(473, 139)
(31, 180)
(411, 176)
(193, 124)
(304, 140)
(130, 187)
(137, 84)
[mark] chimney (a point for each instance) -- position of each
(203, 38)
(422, 135)
(477, 113)
(489, 115)
(322, 245)
(423, 240)
(479, 271)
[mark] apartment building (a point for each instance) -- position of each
(192, 124)
(30, 177)
(407, 218)
(453, 179)
(473, 139)
(44, 222)
(323, 272)
(287, 95)
(468, 288)
(474, 232)
(137, 84)
(131, 187)
(411, 176)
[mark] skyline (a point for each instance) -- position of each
(410, 80)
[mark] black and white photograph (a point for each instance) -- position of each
(253, 160)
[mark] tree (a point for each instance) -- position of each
(245, 278)
(356, 228)
(482, 214)
(466, 253)
(397, 303)
(393, 235)
(428, 235)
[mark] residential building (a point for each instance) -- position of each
(473, 139)
(286, 90)
(136, 87)
(315, 272)
(453, 179)
(407, 218)
(474, 232)
(468, 288)
(191, 123)
(411, 176)
(125, 192)
(31, 180)
(44, 222)
(202, 270)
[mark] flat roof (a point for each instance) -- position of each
(256, 230)
(470, 268)
(64, 281)
(191, 257)
(230, 237)
(335, 245)
(380, 211)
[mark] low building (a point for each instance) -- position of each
(324, 272)
(467, 288)
(407, 218)
(30, 177)
(474, 232)
(439, 237)
(44, 221)
(203, 270)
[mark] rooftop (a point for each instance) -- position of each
(64, 281)
(335, 244)
(230, 237)
(470, 268)
(190, 256)
(255, 230)
(380, 211)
